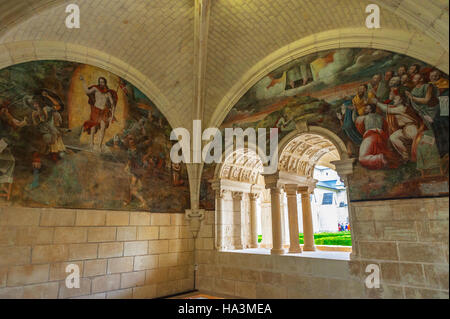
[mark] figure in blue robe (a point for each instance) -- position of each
(349, 125)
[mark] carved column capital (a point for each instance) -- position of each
(195, 217)
(291, 189)
(305, 190)
(344, 167)
(272, 181)
(220, 193)
(237, 195)
(254, 196)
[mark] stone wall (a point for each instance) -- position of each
(407, 239)
(120, 254)
(146, 255)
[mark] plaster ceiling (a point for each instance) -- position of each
(157, 38)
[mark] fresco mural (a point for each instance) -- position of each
(389, 109)
(207, 194)
(75, 136)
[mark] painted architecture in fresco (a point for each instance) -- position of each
(389, 109)
(75, 136)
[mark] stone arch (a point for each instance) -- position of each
(237, 180)
(321, 136)
(28, 51)
(15, 53)
(299, 152)
(254, 161)
(234, 176)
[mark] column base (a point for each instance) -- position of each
(253, 246)
(353, 256)
(309, 248)
(274, 251)
(239, 247)
(295, 250)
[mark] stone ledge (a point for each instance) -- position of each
(335, 255)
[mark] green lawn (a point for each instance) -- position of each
(342, 238)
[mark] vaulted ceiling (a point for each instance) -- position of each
(175, 54)
(306, 151)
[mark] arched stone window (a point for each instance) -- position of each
(241, 187)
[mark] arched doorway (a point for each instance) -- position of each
(322, 202)
(250, 204)
(238, 185)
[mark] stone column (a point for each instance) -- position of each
(308, 230)
(277, 245)
(237, 220)
(284, 220)
(195, 217)
(273, 184)
(344, 168)
(277, 248)
(266, 220)
(253, 220)
(291, 193)
(220, 231)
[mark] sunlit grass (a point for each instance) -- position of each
(339, 239)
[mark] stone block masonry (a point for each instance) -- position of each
(408, 239)
(119, 254)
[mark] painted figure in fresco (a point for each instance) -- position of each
(423, 99)
(135, 168)
(404, 80)
(285, 125)
(438, 81)
(8, 124)
(396, 88)
(403, 126)
(102, 102)
(402, 70)
(47, 120)
(440, 121)
(7, 120)
(176, 174)
(384, 87)
(36, 165)
(360, 100)
(374, 152)
(7, 165)
(347, 117)
(299, 75)
(373, 85)
(412, 71)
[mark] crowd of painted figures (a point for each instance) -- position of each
(44, 124)
(146, 155)
(398, 117)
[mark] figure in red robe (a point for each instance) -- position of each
(102, 102)
(374, 152)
